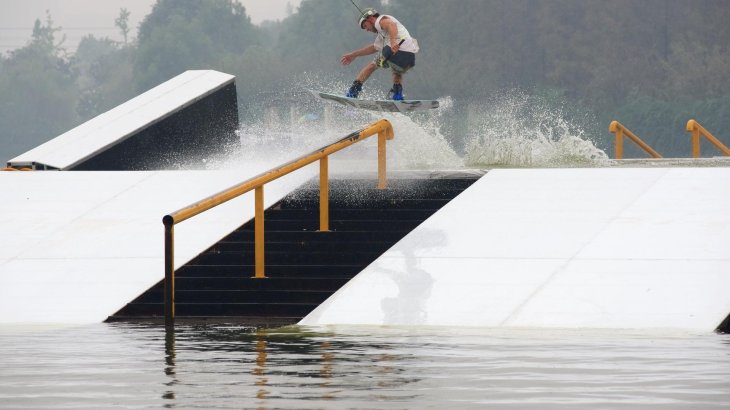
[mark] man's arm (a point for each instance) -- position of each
(349, 57)
(392, 29)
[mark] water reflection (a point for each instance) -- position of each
(360, 366)
(258, 371)
(280, 361)
(325, 372)
(170, 366)
(364, 367)
(414, 282)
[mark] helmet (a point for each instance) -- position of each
(365, 14)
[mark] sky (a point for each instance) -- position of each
(81, 17)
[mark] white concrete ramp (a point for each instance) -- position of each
(78, 246)
(115, 126)
(599, 248)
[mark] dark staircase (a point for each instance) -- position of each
(303, 266)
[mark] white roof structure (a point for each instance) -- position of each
(78, 246)
(564, 248)
(123, 121)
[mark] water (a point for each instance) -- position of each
(219, 366)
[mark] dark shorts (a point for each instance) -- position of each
(399, 62)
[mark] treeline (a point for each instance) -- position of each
(651, 64)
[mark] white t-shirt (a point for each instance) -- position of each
(383, 38)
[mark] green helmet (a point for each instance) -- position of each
(365, 14)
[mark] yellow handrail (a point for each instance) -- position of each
(620, 130)
(697, 130)
(385, 132)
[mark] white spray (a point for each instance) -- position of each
(519, 130)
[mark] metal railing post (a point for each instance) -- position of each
(620, 144)
(382, 161)
(169, 272)
(699, 131)
(259, 232)
(324, 193)
(695, 143)
(621, 132)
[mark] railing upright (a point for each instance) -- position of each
(620, 130)
(698, 131)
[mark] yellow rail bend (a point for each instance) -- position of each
(621, 131)
(698, 131)
(382, 128)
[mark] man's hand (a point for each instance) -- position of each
(394, 45)
(347, 59)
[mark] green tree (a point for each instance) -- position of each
(104, 75)
(181, 35)
(44, 38)
(39, 93)
(122, 22)
(321, 31)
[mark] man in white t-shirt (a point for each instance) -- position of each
(395, 47)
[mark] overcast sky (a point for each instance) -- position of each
(81, 17)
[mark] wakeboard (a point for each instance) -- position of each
(380, 105)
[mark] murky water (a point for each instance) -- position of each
(132, 366)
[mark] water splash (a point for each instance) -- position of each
(512, 129)
(519, 130)
(287, 125)
(419, 142)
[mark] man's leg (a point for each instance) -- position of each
(366, 71)
(399, 62)
(362, 76)
(396, 93)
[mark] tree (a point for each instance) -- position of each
(181, 35)
(321, 31)
(44, 37)
(38, 91)
(122, 22)
(104, 74)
